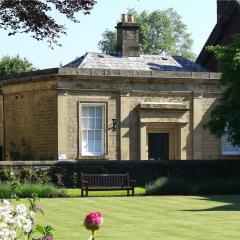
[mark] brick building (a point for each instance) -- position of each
(128, 107)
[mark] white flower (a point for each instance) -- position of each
(32, 214)
(5, 232)
(28, 226)
(3, 225)
(6, 202)
(13, 234)
(21, 209)
(15, 220)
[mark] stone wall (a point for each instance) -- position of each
(30, 115)
(123, 99)
(1, 128)
(141, 171)
(73, 133)
(210, 144)
(45, 112)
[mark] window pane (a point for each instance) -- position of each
(99, 112)
(84, 135)
(90, 135)
(90, 145)
(228, 148)
(91, 122)
(84, 147)
(98, 123)
(98, 135)
(84, 123)
(92, 130)
(84, 111)
(91, 112)
(98, 147)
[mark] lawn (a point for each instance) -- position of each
(147, 218)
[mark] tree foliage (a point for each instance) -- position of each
(14, 65)
(160, 32)
(225, 117)
(109, 42)
(33, 16)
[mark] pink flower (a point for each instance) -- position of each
(49, 238)
(38, 208)
(93, 221)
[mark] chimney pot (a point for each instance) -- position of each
(130, 18)
(124, 18)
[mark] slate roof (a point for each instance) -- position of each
(143, 62)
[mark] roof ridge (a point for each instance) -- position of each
(84, 59)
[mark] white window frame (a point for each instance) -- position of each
(235, 151)
(93, 104)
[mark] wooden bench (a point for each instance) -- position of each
(106, 182)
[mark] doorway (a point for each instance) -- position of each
(158, 146)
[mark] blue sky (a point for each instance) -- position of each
(198, 15)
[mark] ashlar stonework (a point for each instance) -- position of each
(113, 107)
(45, 110)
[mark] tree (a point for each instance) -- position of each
(160, 32)
(225, 117)
(109, 43)
(14, 65)
(32, 16)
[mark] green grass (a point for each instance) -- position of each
(76, 192)
(147, 217)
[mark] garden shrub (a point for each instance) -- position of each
(6, 174)
(27, 190)
(219, 186)
(170, 186)
(25, 175)
(181, 186)
(5, 191)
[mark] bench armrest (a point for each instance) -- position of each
(132, 182)
(84, 183)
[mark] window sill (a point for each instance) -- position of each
(229, 157)
(104, 157)
(231, 154)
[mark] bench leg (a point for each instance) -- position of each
(82, 192)
(132, 191)
(127, 192)
(86, 192)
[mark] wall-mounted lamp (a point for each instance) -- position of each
(114, 124)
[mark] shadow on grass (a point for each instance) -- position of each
(232, 200)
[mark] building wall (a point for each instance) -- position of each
(191, 141)
(210, 144)
(1, 128)
(30, 115)
(47, 115)
(73, 122)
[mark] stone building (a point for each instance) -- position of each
(228, 25)
(128, 107)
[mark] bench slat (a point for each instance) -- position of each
(98, 182)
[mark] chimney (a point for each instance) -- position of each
(221, 6)
(128, 37)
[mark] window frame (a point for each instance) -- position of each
(223, 141)
(104, 129)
